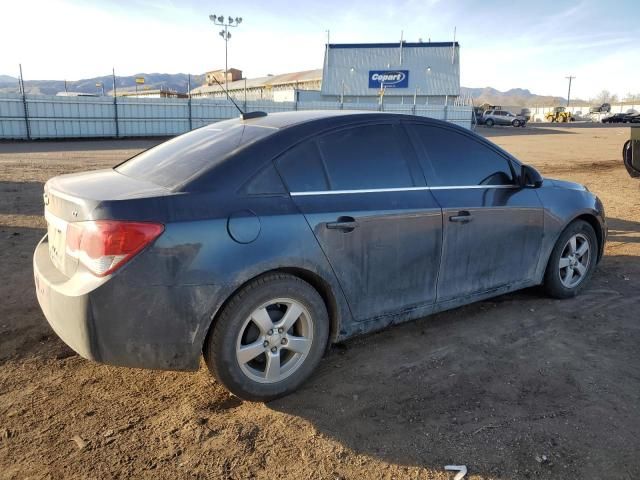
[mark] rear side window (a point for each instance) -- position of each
(182, 158)
(302, 170)
(365, 157)
(456, 159)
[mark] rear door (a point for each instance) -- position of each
(492, 227)
(363, 194)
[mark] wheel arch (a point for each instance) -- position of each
(592, 220)
(597, 227)
(315, 280)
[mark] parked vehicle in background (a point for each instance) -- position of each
(560, 115)
(604, 108)
(615, 118)
(503, 117)
(622, 118)
(259, 242)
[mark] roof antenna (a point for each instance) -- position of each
(243, 115)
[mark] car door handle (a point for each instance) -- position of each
(346, 224)
(462, 217)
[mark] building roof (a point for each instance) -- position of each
(394, 45)
(221, 70)
(270, 80)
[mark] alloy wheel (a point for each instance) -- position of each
(275, 340)
(574, 261)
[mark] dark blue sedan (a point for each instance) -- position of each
(259, 242)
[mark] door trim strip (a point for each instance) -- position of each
(404, 189)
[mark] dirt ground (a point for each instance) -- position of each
(520, 386)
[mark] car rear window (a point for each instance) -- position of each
(174, 162)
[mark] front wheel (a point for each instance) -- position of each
(268, 338)
(572, 261)
(516, 123)
(489, 123)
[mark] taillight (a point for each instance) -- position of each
(103, 246)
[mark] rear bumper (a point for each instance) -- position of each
(118, 321)
(69, 316)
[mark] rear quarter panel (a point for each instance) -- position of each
(170, 293)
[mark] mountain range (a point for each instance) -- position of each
(179, 81)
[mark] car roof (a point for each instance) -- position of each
(282, 120)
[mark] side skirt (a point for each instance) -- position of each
(413, 313)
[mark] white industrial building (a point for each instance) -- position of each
(421, 73)
(428, 72)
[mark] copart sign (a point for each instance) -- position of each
(389, 78)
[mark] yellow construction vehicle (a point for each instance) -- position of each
(560, 115)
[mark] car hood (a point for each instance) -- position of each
(565, 184)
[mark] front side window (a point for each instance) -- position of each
(365, 157)
(457, 159)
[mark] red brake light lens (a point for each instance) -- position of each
(103, 246)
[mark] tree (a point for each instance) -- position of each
(632, 97)
(605, 96)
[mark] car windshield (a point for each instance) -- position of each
(174, 162)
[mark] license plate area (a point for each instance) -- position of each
(57, 236)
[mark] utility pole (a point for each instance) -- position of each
(115, 102)
(24, 104)
(229, 22)
(569, 93)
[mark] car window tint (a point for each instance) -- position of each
(182, 158)
(302, 170)
(265, 182)
(365, 157)
(457, 159)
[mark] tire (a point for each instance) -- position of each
(274, 295)
(489, 123)
(558, 283)
(516, 123)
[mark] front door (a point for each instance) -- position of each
(492, 227)
(363, 195)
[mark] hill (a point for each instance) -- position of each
(518, 97)
(177, 81)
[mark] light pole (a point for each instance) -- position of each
(569, 93)
(229, 22)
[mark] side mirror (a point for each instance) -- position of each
(530, 177)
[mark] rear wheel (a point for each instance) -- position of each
(572, 261)
(268, 338)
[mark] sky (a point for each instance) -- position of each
(504, 43)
